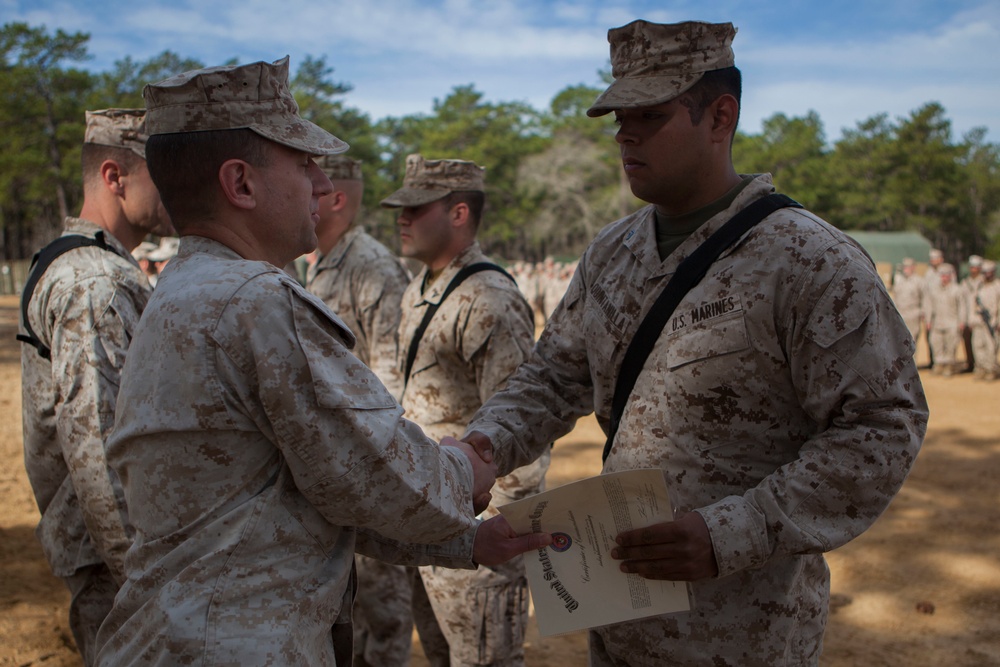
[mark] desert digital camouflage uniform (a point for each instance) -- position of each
(947, 314)
(908, 295)
(984, 319)
(293, 455)
(84, 308)
(262, 452)
(479, 335)
(361, 281)
(781, 400)
(970, 284)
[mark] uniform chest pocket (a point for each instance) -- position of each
(718, 336)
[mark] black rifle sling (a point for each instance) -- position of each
(688, 274)
(459, 278)
(39, 264)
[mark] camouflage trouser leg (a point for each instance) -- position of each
(383, 624)
(481, 614)
(93, 594)
(945, 344)
(432, 641)
(985, 349)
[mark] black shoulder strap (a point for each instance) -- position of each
(459, 278)
(689, 273)
(39, 264)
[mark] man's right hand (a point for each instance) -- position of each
(484, 473)
(496, 542)
(482, 444)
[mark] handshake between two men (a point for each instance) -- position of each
(496, 542)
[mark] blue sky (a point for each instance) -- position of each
(845, 60)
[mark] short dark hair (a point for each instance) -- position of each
(712, 85)
(92, 156)
(474, 199)
(185, 166)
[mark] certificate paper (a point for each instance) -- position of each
(575, 583)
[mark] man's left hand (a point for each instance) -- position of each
(678, 550)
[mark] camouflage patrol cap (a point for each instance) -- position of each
(429, 180)
(653, 63)
(142, 250)
(340, 168)
(254, 97)
(165, 251)
(989, 266)
(121, 128)
(975, 260)
(946, 269)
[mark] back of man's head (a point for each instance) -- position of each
(185, 167)
(348, 180)
(112, 134)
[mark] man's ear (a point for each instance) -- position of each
(459, 214)
(111, 177)
(725, 113)
(236, 178)
(338, 200)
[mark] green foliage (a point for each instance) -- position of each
(41, 125)
(554, 177)
(121, 88)
(793, 151)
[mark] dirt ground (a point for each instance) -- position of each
(922, 587)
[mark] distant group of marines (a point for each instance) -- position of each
(956, 316)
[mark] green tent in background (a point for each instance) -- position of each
(892, 247)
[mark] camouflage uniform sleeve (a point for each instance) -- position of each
(379, 302)
(549, 391)
(455, 554)
(352, 455)
(851, 359)
(993, 301)
(89, 342)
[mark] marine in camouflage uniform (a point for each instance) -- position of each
(970, 285)
(361, 281)
(781, 399)
(984, 320)
(947, 314)
(262, 452)
(908, 295)
(355, 275)
(84, 309)
(481, 332)
(932, 283)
